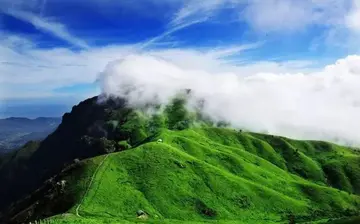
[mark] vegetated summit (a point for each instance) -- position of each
(108, 163)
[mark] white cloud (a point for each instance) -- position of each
(58, 66)
(336, 21)
(230, 51)
(168, 32)
(353, 18)
(318, 105)
(193, 10)
(23, 65)
(54, 28)
(280, 16)
(292, 15)
(274, 15)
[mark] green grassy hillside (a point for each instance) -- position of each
(105, 163)
(209, 174)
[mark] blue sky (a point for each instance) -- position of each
(288, 30)
(288, 67)
(57, 49)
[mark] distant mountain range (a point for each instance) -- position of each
(16, 131)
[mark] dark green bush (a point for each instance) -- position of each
(176, 112)
(105, 145)
(123, 145)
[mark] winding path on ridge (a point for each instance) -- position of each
(89, 186)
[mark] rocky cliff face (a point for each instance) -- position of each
(81, 135)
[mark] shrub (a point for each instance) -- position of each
(177, 114)
(222, 124)
(123, 145)
(181, 125)
(203, 209)
(155, 124)
(105, 145)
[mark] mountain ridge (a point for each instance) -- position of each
(154, 157)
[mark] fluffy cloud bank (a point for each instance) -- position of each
(315, 105)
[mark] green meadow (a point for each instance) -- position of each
(217, 175)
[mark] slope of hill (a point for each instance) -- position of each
(15, 132)
(213, 174)
(175, 167)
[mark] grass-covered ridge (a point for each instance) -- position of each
(198, 172)
(203, 174)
